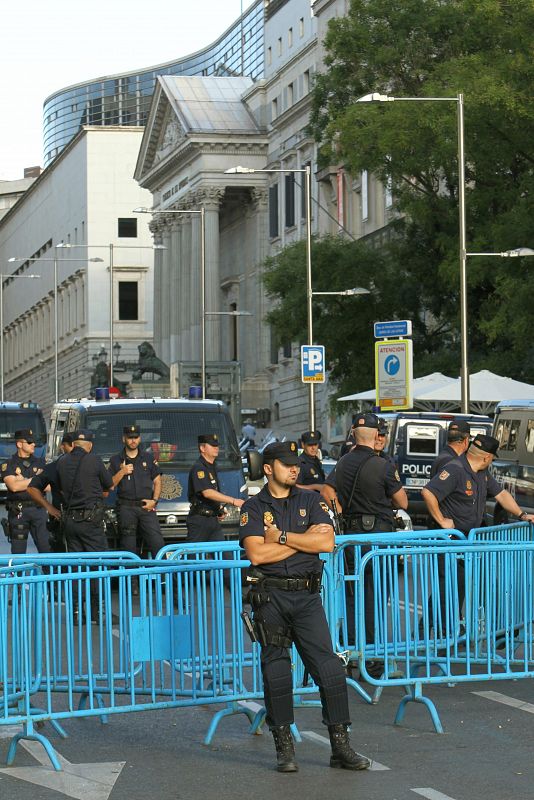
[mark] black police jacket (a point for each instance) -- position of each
(377, 482)
(138, 485)
(203, 475)
(27, 467)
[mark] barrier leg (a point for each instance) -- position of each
(231, 708)
(359, 690)
(258, 721)
(53, 722)
(28, 732)
(416, 696)
(104, 718)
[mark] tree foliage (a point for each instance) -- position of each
(437, 48)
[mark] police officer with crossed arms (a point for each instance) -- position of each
(283, 529)
(204, 494)
(138, 478)
(24, 514)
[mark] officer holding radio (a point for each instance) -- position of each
(207, 500)
(283, 529)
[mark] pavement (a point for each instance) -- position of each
(484, 754)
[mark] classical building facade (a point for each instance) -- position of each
(84, 202)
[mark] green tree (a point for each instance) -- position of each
(431, 48)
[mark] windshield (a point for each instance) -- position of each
(171, 435)
(11, 421)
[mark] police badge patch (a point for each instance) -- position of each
(200, 474)
(324, 506)
(443, 475)
(4, 467)
(268, 518)
(302, 512)
(244, 518)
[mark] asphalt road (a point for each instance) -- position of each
(485, 753)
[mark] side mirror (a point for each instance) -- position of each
(255, 465)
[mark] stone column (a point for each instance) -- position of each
(262, 333)
(210, 197)
(186, 301)
(174, 301)
(156, 229)
(165, 291)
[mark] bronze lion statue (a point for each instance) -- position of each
(149, 362)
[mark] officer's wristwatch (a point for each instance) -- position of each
(523, 515)
(282, 539)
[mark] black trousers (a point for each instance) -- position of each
(203, 529)
(85, 536)
(134, 520)
(303, 613)
(31, 520)
(368, 588)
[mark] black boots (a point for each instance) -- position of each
(343, 756)
(285, 750)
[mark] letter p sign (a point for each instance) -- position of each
(312, 363)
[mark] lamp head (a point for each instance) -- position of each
(375, 97)
(239, 171)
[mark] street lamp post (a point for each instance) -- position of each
(110, 247)
(201, 212)
(15, 277)
(56, 315)
(376, 97)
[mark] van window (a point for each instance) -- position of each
(507, 433)
(11, 421)
(422, 440)
(529, 436)
(170, 435)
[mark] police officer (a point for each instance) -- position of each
(381, 441)
(138, 478)
(368, 488)
(283, 530)
(311, 475)
(347, 445)
(24, 515)
(38, 485)
(204, 494)
(458, 434)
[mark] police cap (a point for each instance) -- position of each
(366, 421)
(486, 443)
(286, 452)
(131, 430)
(84, 435)
(459, 426)
(24, 435)
(311, 437)
(209, 438)
(67, 438)
(382, 427)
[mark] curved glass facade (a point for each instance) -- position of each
(125, 99)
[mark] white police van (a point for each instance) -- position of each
(169, 431)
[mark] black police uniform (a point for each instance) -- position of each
(83, 478)
(131, 491)
(294, 611)
(461, 493)
(24, 515)
(311, 470)
(50, 477)
(369, 511)
(347, 446)
(203, 519)
(442, 458)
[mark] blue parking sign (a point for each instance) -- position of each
(312, 360)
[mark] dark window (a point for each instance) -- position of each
(287, 350)
(128, 305)
(127, 227)
(273, 211)
(507, 430)
(274, 347)
(290, 200)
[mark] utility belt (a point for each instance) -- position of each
(84, 514)
(137, 503)
(311, 583)
(203, 511)
(365, 522)
(16, 506)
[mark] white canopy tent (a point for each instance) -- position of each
(486, 389)
(427, 383)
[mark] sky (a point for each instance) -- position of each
(50, 44)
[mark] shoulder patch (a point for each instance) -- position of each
(268, 518)
(443, 475)
(244, 518)
(201, 474)
(397, 476)
(4, 467)
(324, 506)
(302, 512)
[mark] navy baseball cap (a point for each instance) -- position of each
(67, 438)
(311, 437)
(84, 435)
(460, 426)
(24, 435)
(486, 443)
(286, 452)
(366, 421)
(209, 438)
(131, 430)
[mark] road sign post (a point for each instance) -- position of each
(312, 362)
(394, 374)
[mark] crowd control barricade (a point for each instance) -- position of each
(480, 651)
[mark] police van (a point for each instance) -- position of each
(14, 417)
(169, 431)
(514, 465)
(415, 439)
